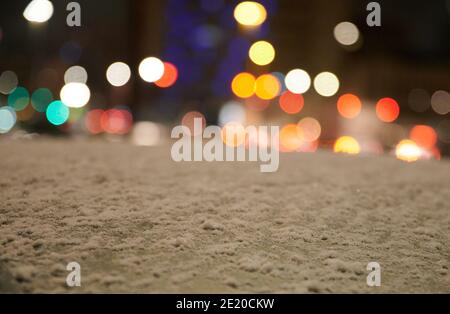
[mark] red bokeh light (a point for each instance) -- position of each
(116, 121)
(349, 106)
(92, 121)
(388, 110)
(424, 136)
(169, 77)
(291, 103)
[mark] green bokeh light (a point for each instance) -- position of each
(57, 113)
(19, 99)
(41, 98)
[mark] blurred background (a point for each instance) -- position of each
(134, 69)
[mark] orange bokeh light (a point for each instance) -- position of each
(388, 110)
(267, 87)
(424, 136)
(169, 77)
(291, 103)
(309, 129)
(233, 134)
(290, 140)
(243, 85)
(349, 106)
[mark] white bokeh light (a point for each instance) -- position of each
(146, 133)
(76, 74)
(346, 33)
(232, 112)
(118, 74)
(8, 82)
(298, 81)
(38, 11)
(75, 95)
(326, 84)
(151, 69)
(7, 119)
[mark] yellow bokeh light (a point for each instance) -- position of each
(408, 151)
(262, 53)
(267, 87)
(250, 13)
(347, 145)
(326, 84)
(243, 85)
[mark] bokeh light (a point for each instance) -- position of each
(419, 100)
(8, 119)
(57, 113)
(151, 69)
(387, 110)
(93, 121)
(408, 150)
(346, 33)
(443, 130)
(349, 106)
(347, 145)
(440, 102)
(267, 87)
(189, 119)
(233, 134)
(232, 112)
(298, 81)
(19, 98)
(169, 77)
(309, 129)
(250, 13)
(326, 84)
(291, 103)
(255, 103)
(75, 95)
(116, 121)
(38, 11)
(76, 74)
(146, 133)
(76, 114)
(290, 140)
(243, 85)
(118, 74)
(25, 114)
(424, 136)
(41, 98)
(262, 53)
(8, 82)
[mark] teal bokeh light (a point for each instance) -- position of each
(41, 98)
(19, 99)
(57, 113)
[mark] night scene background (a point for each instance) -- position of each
(404, 64)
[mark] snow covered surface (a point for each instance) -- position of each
(138, 222)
